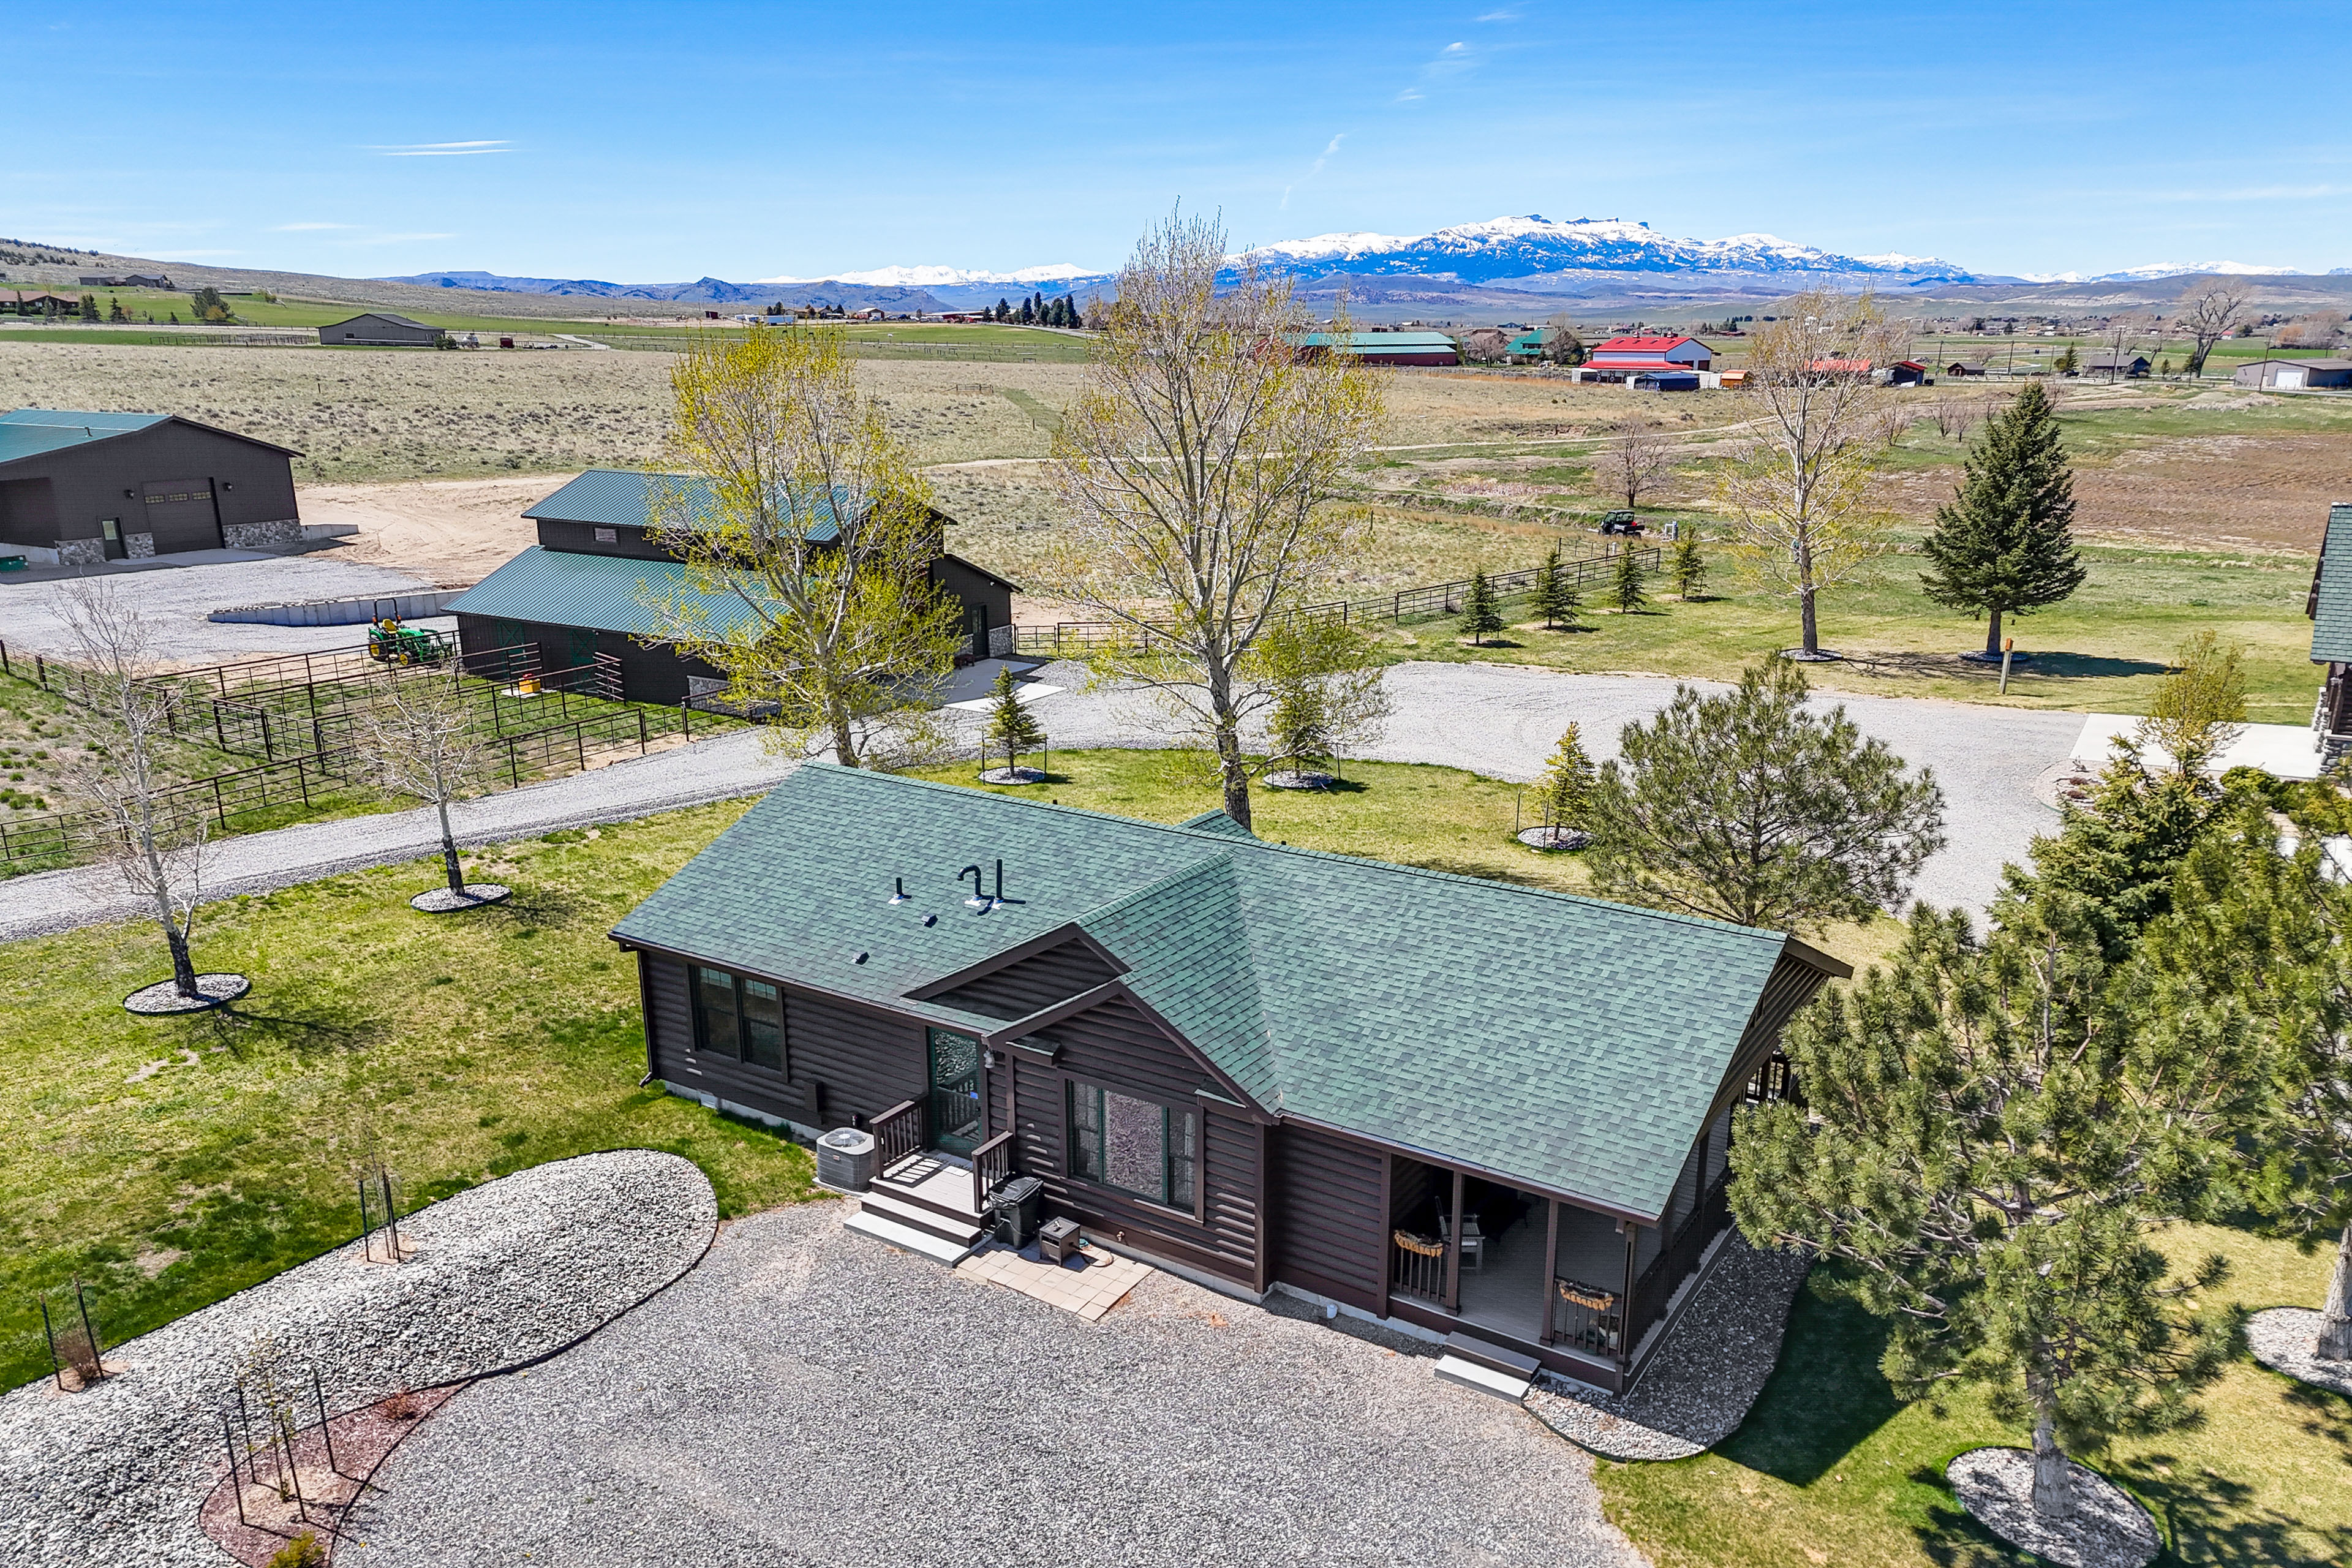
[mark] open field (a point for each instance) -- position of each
(170, 1163)
(1830, 1468)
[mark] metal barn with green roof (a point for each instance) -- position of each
(78, 488)
(1471, 1107)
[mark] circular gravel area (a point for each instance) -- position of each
(508, 1272)
(2286, 1339)
(1555, 838)
(808, 1395)
(1013, 776)
(1295, 779)
(1697, 1387)
(441, 902)
(2109, 1529)
(162, 999)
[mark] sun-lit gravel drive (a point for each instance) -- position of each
(807, 1395)
(507, 1272)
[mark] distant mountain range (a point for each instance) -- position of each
(1487, 263)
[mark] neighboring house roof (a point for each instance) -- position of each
(1571, 1043)
(30, 432)
(2331, 591)
(382, 315)
(558, 587)
(1644, 345)
(1377, 343)
(1639, 364)
(1841, 366)
(621, 498)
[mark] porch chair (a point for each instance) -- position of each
(1474, 1241)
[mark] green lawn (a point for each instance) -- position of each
(1831, 1469)
(170, 1162)
(2101, 651)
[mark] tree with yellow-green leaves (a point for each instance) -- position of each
(807, 540)
(1197, 466)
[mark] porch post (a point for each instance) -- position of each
(1453, 1252)
(1551, 1265)
(1387, 1252)
(1625, 1300)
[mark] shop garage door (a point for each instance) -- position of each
(181, 515)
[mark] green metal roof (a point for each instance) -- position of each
(1359, 342)
(558, 587)
(30, 432)
(621, 498)
(1565, 1042)
(2331, 591)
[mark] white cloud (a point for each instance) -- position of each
(305, 227)
(1453, 48)
(1409, 95)
(1498, 16)
(442, 149)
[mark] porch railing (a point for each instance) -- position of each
(1586, 1318)
(898, 1134)
(1417, 1266)
(1655, 1287)
(992, 1165)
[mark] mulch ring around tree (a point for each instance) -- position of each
(1555, 838)
(2109, 1529)
(441, 902)
(273, 1515)
(162, 999)
(1013, 776)
(1300, 778)
(2287, 1339)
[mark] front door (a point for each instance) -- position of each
(954, 1110)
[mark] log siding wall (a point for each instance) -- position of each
(1333, 1237)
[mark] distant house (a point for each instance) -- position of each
(2113, 365)
(112, 486)
(1381, 347)
(128, 280)
(1526, 348)
(2293, 375)
(1905, 372)
(1960, 368)
(38, 303)
(1622, 359)
(377, 329)
(575, 595)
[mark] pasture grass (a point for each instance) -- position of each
(168, 1162)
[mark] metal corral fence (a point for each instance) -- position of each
(1076, 639)
(297, 712)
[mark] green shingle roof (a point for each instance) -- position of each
(1565, 1042)
(2331, 591)
(621, 498)
(28, 432)
(561, 588)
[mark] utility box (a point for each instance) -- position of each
(1058, 1240)
(845, 1160)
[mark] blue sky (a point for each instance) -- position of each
(643, 143)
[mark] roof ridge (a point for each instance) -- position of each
(1496, 884)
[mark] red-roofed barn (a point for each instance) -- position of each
(1621, 358)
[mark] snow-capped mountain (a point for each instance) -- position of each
(946, 277)
(2166, 269)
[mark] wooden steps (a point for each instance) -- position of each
(923, 1207)
(1489, 1368)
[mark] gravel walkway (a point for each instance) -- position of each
(1697, 1387)
(809, 1396)
(2109, 1529)
(508, 1271)
(180, 595)
(1496, 719)
(2286, 1339)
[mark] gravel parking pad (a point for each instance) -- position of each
(807, 1395)
(181, 596)
(507, 1271)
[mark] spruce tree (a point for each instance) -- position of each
(1568, 785)
(2005, 543)
(1481, 614)
(1625, 585)
(1010, 723)
(1555, 596)
(1689, 569)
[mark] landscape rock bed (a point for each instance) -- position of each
(2109, 1529)
(2286, 1339)
(441, 902)
(509, 1272)
(1699, 1386)
(162, 999)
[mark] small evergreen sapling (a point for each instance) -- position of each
(1568, 777)
(1482, 614)
(1010, 723)
(1625, 582)
(1689, 569)
(1555, 596)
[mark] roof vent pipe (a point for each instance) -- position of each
(979, 900)
(897, 889)
(998, 897)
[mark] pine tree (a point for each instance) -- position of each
(1010, 723)
(2005, 543)
(1568, 785)
(1543, 597)
(1481, 614)
(1689, 569)
(1003, 311)
(1625, 584)
(1028, 317)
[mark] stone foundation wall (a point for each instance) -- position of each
(261, 535)
(1003, 642)
(137, 546)
(82, 552)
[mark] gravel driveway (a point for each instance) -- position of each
(809, 1396)
(180, 596)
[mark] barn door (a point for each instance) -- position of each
(180, 513)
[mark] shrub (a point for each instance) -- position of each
(302, 1551)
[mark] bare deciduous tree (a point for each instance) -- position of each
(419, 736)
(1195, 465)
(1799, 493)
(159, 852)
(1635, 465)
(2208, 309)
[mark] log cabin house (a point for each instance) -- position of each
(1467, 1105)
(2329, 609)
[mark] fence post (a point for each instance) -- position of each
(41, 668)
(302, 782)
(514, 770)
(641, 731)
(220, 812)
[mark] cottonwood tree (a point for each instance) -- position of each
(1989, 1139)
(807, 547)
(1799, 491)
(2005, 543)
(1635, 465)
(1751, 807)
(159, 850)
(2199, 707)
(418, 735)
(2209, 309)
(1195, 465)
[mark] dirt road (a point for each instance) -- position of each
(454, 532)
